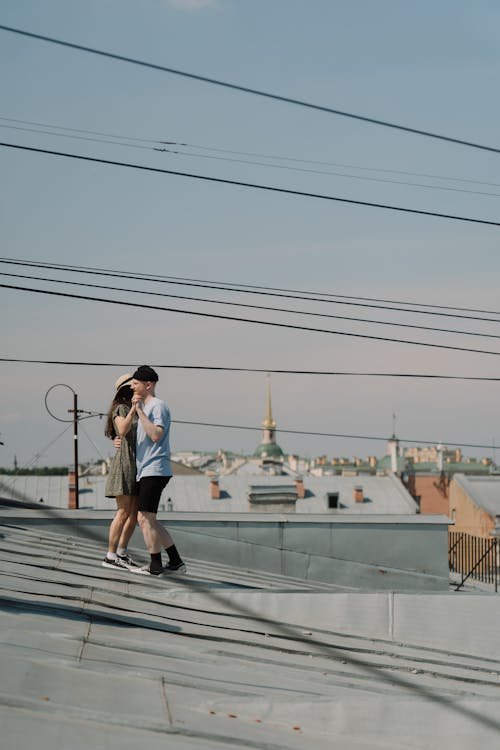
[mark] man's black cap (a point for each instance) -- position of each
(146, 374)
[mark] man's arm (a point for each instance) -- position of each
(153, 431)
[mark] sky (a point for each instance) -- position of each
(427, 66)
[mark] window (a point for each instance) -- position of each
(332, 499)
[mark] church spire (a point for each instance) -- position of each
(269, 452)
(269, 423)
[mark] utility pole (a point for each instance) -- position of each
(75, 445)
(73, 499)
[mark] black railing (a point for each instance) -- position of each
(473, 557)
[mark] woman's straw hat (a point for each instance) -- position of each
(123, 380)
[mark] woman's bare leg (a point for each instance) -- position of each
(123, 503)
(130, 523)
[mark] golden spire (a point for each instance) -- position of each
(269, 422)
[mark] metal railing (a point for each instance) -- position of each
(474, 557)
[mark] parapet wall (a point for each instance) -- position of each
(374, 553)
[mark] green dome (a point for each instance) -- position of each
(269, 450)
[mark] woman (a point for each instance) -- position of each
(121, 483)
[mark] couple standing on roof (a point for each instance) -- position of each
(139, 422)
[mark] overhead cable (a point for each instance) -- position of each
(278, 157)
(263, 370)
(248, 90)
(217, 316)
(250, 306)
(260, 290)
(336, 435)
(255, 186)
(246, 162)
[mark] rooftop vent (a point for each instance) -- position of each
(273, 496)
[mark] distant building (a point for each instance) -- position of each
(429, 480)
(425, 472)
(475, 504)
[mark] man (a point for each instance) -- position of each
(153, 470)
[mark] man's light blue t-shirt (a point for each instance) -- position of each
(153, 459)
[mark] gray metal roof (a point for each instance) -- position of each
(483, 491)
(383, 494)
(228, 658)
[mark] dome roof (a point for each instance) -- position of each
(268, 450)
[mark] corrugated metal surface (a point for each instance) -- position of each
(94, 658)
(383, 495)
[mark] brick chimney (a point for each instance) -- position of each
(301, 492)
(214, 488)
(358, 494)
(71, 491)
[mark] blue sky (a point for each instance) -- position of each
(431, 66)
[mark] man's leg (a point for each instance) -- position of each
(155, 535)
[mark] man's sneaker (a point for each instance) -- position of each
(115, 564)
(146, 571)
(178, 568)
(127, 561)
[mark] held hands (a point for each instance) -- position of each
(137, 402)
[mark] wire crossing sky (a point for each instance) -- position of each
(295, 312)
(235, 319)
(263, 370)
(239, 183)
(248, 90)
(331, 298)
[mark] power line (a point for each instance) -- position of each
(312, 434)
(151, 141)
(255, 186)
(268, 165)
(251, 306)
(278, 157)
(217, 316)
(327, 173)
(84, 138)
(32, 461)
(261, 290)
(248, 90)
(334, 435)
(262, 370)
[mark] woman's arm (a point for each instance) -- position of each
(123, 424)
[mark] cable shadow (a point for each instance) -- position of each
(283, 630)
(78, 614)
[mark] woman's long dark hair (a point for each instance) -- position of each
(124, 396)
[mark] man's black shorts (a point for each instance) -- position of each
(150, 489)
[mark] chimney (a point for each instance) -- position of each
(71, 490)
(214, 488)
(358, 494)
(301, 492)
